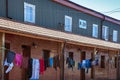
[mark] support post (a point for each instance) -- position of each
(118, 65)
(2, 51)
(93, 68)
(62, 61)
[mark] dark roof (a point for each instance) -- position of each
(80, 8)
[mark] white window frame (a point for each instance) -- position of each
(26, 14)
(115, 35)
(105, 33)
(68, 27)
(95, 31)
(82, 24)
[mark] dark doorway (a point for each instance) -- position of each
(102, 61)
(6, 76)
(26, 50)
(46, 56)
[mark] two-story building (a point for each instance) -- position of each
(44, 29)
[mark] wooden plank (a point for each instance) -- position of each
(2, 51)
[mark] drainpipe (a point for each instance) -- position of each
(7, 8)
(101, 24)
(62, 60)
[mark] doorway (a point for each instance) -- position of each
(6, 76)
(26, 50)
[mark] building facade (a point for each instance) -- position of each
(42, 29)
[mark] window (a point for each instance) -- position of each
(29, 12)
(68, 23)
(95, 31)
(105, 31)
(115, 33)
(82, 24)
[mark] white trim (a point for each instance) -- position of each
(115, 35)
(33, 15)
(82, 24)
(70, 25)
(105, 32)
(95, 31)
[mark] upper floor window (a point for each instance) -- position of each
(115, 33)
(68, 23)
(29, 12)
(105, 32)
(82, 24)
(95, 31)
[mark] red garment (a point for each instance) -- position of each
(42, 66)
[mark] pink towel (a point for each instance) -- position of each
(18, 60)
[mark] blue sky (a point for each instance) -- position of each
(102, 6)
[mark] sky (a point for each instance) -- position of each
(108, 7)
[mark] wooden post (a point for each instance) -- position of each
(62, 61)
(118, 69)
(2, 51)
(82, 71)
(93, 68)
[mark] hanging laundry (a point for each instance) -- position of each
(25, 62)
(10, 56)
(56, 62)
(86, 64)
(95, 62)
(70, 62)
(79, 65)
(51, 62)
(35, 69)
(10, 66)
(29, 72)
(42, 66)
(18, 59)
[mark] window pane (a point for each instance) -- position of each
(29, 12)
(95, 30)
(105, 31)
(68, 23)
(82, 24)
(115, 33)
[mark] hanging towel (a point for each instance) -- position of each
(35, 69)
(42, 66)
(56, 62)
(70, 62)
(25, 62)
(29, 72)
(10, 66)
(51, 62)
(10, 56)
(18, 59)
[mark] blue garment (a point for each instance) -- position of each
(10, 56)
(51, 62)
(86, 63)
(79, 65)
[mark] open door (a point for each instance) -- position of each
(6, 76)
(26, 50)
